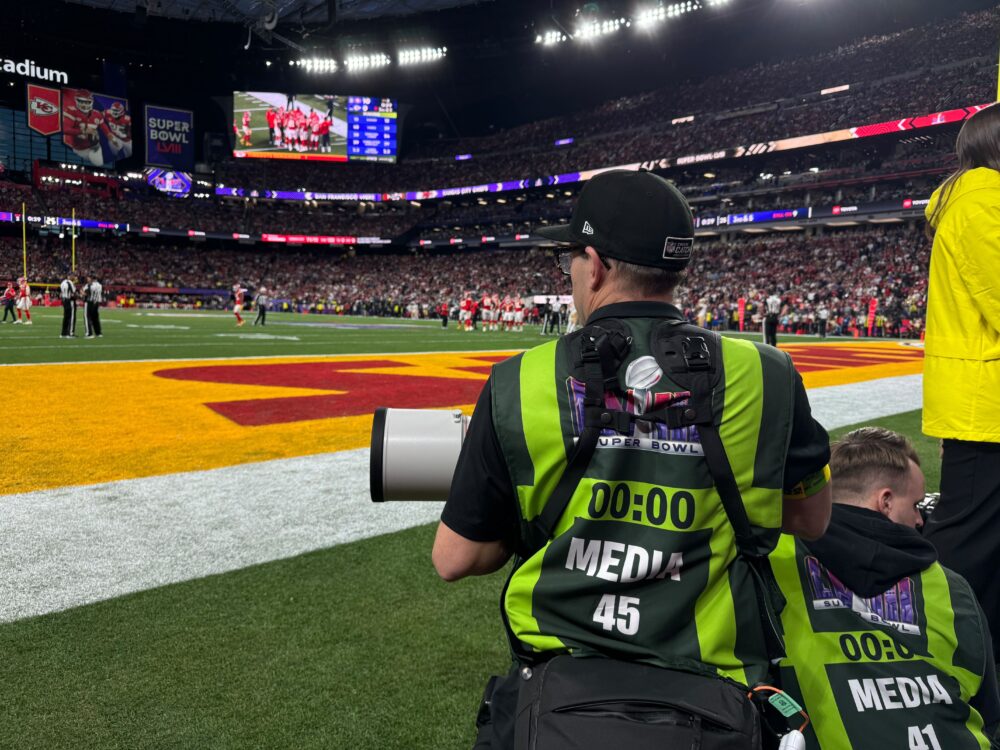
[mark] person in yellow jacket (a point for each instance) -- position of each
(962, 360)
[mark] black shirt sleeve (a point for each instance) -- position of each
(481, 504)
(809, 449)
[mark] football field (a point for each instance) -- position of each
(190, 558)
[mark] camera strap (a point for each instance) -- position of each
(602, 353)
(690, 357)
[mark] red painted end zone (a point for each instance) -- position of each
(364, 392)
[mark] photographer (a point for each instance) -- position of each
(870, 606)
(636, 532)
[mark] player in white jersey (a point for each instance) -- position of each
(488, 313)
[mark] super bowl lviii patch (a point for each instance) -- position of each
(678, 248)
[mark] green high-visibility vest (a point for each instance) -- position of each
(893, 671)
(642, 564)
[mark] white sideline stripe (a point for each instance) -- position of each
(840, 405)
(78, 545)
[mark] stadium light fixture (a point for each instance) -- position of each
(318, 64)
(357, 63)
(550, 38)
(593, 29)
(421, 55)
(650, 17)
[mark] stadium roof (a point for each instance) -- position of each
(275, 11)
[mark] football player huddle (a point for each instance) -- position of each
(83, 125)
(494, 314)
(294, 130)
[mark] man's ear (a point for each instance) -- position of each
(885, 498)
(597, 271)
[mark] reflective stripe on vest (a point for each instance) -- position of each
(642, 563)
(896, 670)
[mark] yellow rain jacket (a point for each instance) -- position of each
(962, 347)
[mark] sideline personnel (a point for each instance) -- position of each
(67, 293)
(962, 361)
(887, 648)
(260, 303)
(93, 293)
(639, 563)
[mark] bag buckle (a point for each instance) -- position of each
(696, 354)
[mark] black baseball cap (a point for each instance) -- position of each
(637, 217)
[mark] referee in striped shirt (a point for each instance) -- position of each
(67, 293)
(772, 313)
(93, 293)
(260, 303)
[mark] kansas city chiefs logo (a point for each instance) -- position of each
(42, 108)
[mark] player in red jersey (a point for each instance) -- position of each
(270, 116)
(247, 132)
(119, 124)
(324, 134)
(82, 126)
(23, 302)
(238, 303)
(518, 314)
(279, 123)
(465, 311)
(508, 313)
(291, 130)
(303, 124)
(314, 131)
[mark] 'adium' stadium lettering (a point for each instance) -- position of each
(28, 69)
(601, 559)
(888, 693)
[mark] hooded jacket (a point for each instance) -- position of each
(869, 554)
(962, 346)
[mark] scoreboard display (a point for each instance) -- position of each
(314, 127)
(372, 129)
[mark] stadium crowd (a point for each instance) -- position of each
(841, 270)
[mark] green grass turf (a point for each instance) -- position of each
(183, 334)
(357, 646)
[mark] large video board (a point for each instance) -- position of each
(314, 127)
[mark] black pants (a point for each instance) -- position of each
(771, 330)
(8, 309)
(93, 319)
(69, 318)
(261, 316)
(822, 329)
(964, 525)
(444, 320)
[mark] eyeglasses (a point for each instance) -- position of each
(564, 259)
